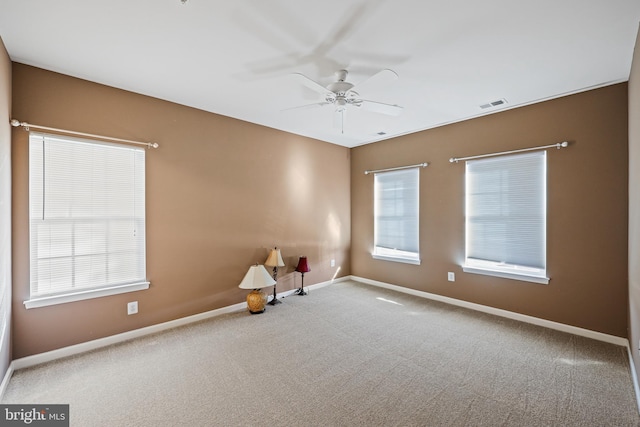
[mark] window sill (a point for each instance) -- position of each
(83, 295)
(507, 275)
(413, 261)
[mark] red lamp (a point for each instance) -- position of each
(303, 267)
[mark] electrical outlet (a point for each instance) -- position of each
(132, 307)
(333, 263)
(451, 276)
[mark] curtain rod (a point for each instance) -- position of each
(558, 145)
(27, 126)
(423, 165)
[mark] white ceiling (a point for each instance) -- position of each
(235, 58)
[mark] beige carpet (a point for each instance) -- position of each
(344, 355)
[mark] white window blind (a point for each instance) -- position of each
(87, 215)
(506, 215)
(396, 215)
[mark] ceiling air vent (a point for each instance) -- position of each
(493, 104)
(382, 133)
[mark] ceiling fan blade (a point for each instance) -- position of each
(311, 84)
(307, 106)
(379, 79)
(379, 107)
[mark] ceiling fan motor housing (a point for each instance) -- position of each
(339, 88)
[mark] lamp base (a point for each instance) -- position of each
(301, 291)
(256, 301)
(274, 301)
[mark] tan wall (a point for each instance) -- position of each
(220, 193)
(5, 209)
(587, 209)
(634, 205)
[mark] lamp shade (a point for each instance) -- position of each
(303, 266)
(274, 259)
(256, 278)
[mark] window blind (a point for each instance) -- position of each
(396, 215)
(87, 215)
(506, 213)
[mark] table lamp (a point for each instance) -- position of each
(274, 260)
(303, 267)
(256, 278)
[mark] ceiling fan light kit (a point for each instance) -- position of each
(342, 96)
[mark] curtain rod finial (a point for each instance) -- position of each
(15, 123)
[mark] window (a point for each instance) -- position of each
(396, 215)
(506, 216)
(87, 219)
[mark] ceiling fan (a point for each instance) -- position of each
(342, 95)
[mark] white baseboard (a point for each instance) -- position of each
(311, 287)
(634, 376)
(499, 312)
(6, 379)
